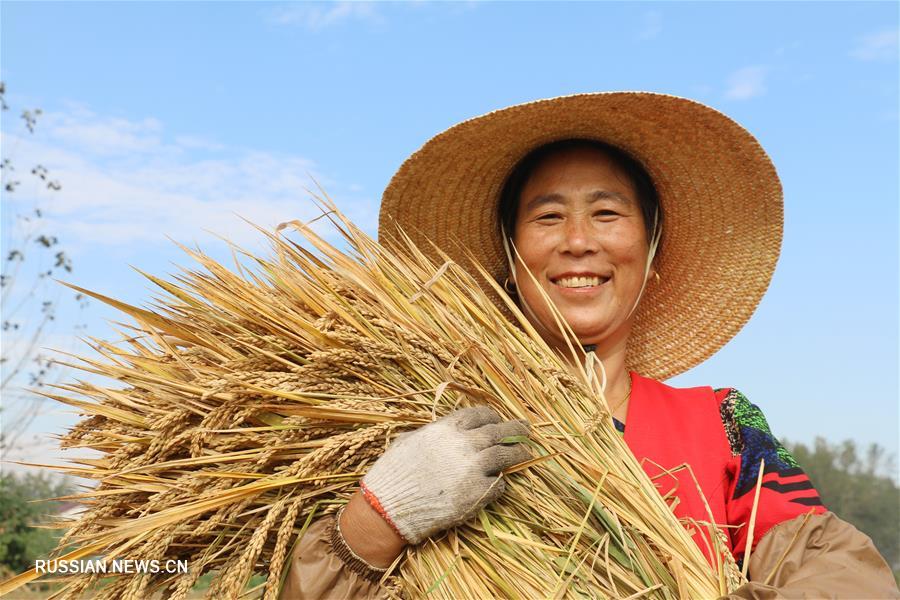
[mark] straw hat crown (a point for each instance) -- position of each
(719, 194)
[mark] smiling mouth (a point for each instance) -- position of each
(580, 281)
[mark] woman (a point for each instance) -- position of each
(566, 199)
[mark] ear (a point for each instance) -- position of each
(509, 285)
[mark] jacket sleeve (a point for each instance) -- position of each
(786, 491)
(316, 572)
(819, 556)
(799, 550)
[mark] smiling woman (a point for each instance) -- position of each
(579, 227)
(563, 202)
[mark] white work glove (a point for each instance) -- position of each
(442, 473)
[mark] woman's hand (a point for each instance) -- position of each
(432, 478)
(367, 533)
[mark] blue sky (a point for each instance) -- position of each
(172, 118)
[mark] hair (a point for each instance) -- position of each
(647, 197)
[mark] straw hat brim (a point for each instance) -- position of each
(719, 193)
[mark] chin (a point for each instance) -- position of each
(593, 332)
(586, 337)
(589, 329)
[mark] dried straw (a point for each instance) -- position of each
(247, 403)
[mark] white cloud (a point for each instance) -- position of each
(110, 135)
(881, 45)
(39, 446)
(747, 83)
(125, 184)
(652, 25)
(315, 16)
(192, 141)
(40, 449)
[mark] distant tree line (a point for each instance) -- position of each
(858, 486)
(25, 511)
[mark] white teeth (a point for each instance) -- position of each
(577, 282)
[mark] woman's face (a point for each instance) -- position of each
(580, 231)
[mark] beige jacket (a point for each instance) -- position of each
(829, 559)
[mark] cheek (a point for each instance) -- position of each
(533, 249)
(633, 254)
(629, 247)
(526, 263)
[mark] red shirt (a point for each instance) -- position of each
(722, 437)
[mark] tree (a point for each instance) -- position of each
(24, 504)
(858, 488)
(31, 257)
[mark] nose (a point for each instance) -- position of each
(580, 237)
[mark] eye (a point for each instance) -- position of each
(606, 213)
(547, 217)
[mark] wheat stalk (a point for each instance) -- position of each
(246, 402)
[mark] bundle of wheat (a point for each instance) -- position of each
(248, 403)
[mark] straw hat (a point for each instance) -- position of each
(720, 197)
